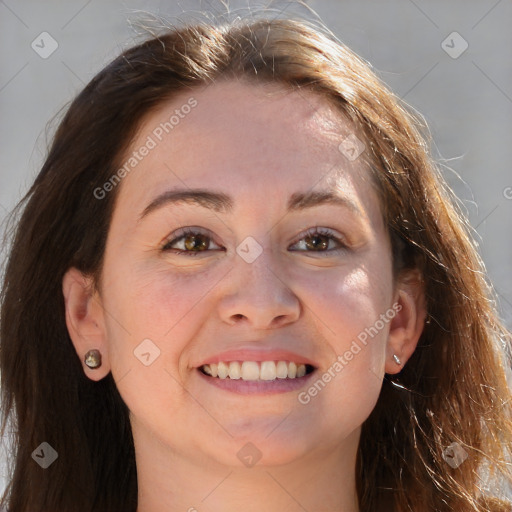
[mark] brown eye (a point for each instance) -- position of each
(189, 242)
(318, 240)
(199, 242)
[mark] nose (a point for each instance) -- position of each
(258, 294)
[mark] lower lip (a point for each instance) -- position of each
(258, 387)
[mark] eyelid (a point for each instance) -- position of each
(327, 232)
(183, 232)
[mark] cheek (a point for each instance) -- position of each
(349, 310)
(153, 318)
(346, 300)
(150, 296)
(155, 303)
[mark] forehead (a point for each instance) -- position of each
(243, 137)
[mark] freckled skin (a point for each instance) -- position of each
(258, 144)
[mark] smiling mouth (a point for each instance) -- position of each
(256, 371)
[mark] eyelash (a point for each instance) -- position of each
(183, 233)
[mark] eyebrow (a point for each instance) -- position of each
(223, 203)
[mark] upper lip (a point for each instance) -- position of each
(258, 355)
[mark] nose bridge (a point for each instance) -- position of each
(258, 291)
(259, 268)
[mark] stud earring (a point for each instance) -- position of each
(93, 359)
(397, 361)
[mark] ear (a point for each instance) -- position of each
(406, 327)
(85, 320)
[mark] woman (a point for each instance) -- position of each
(333, 347)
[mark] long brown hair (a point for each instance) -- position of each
(452, 390)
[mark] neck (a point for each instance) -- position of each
(172, 482)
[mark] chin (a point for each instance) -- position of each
(261, 447)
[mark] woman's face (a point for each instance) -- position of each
(252, 283)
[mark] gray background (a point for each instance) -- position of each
(466, 101)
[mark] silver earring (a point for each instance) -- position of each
(397, 361)
(93, 359)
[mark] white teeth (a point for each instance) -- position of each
(252, 370)
(234, 370)
(268, 370)
(282, 370)
(223, 370)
